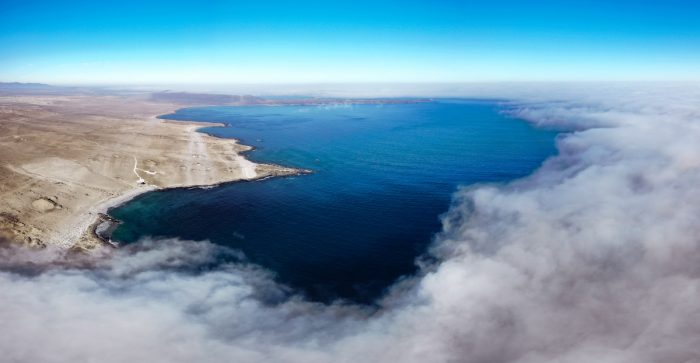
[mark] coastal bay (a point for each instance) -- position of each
(382, 176)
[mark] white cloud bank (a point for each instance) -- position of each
(593, 258)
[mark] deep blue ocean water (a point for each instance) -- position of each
(383, 174)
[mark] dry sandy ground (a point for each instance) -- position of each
(64, 159)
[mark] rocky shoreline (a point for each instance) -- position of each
(104, 225)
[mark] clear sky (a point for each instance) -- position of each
(209, 41)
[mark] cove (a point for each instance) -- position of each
(382, 176)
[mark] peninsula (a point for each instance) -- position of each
(67, 158)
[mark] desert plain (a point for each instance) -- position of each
(66, 159)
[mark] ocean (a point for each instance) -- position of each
(382, 177)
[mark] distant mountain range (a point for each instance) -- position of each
(19, 85)
(18, 88)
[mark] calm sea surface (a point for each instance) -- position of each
(382, 177)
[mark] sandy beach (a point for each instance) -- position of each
(65, 159)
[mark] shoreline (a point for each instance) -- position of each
(118, 201)
(86, 227)
(249, 169)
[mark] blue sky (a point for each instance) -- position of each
(202, 42)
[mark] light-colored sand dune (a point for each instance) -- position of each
(64, 159)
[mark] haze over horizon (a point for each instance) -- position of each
(221, 42)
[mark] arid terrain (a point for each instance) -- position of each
(66, 159)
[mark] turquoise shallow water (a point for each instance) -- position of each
(382, 177)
